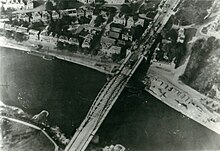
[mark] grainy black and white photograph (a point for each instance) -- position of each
(109, 75)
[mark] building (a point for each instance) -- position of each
(86, 1)
(139, 22)
(74, 41)
(126, 35)
(55, 15)
(89, 12)
(130, 22)
(113, 34)
(115, 2)
(119, 19)
(181, 35)
(114, 50)
(63, 39)
(34, 35)
(68, 12)
(21, 29)
(45, 16)
(87, 41)
(80, 12)
(14, 4)
(106, 44)
(23, 17)
(30, 4)
(36, 17)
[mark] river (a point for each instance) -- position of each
(138, 121)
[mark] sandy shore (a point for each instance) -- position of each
(182, 98)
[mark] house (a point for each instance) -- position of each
(8, 27)
(115, 2)
(126, 35)
(21, 29)
(23, 17)
(13, 4)
(89, 12)
(45, 16)
(74, 41)
(68, 12)
(139, 22)
(80, 12)
(63, 39)
(113, 34)
(115, 29)
(114, 50)
(181, 35)
(44, 37)
(121, 42)
(36, 17)
(86, 1)
(106, 44)
(130, 22)
(30, 4)
(87, 41)
(55, 15)
(119, 19)
(53, 39)
(34, 35)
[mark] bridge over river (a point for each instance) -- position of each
(113, 88)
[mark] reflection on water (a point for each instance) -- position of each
(138, 121)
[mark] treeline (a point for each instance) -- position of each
(201, 51)
(193, 11)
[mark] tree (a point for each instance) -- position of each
(49, 5)
(115, 57)
(126, 9)
(99, 20)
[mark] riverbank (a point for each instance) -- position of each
(165, 87)
(83, 60)
(5, 109)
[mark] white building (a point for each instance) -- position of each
(116, 2)
(139, 22)
(119, 20)
(36, 17)
(130, 22)
(181, 35)
(45, 16)
(14, 4)
(30, 4)
(33, 35)
(86, 1)
(55, 15)
(87, 41)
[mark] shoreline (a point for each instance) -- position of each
(86, 62)
(182, 100)
(56, 147)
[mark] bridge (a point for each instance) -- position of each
(113, 88)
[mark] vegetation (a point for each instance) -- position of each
(192, 11)
(202, 70)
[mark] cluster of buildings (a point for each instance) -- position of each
(118, 33)
(17, 4)
(115, 2)
(215, 25)
(109, 38)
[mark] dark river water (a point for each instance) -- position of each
(138, 121)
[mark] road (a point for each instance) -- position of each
(113, 88)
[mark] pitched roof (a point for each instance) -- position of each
(113, 34)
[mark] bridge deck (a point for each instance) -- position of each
(113, 88)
